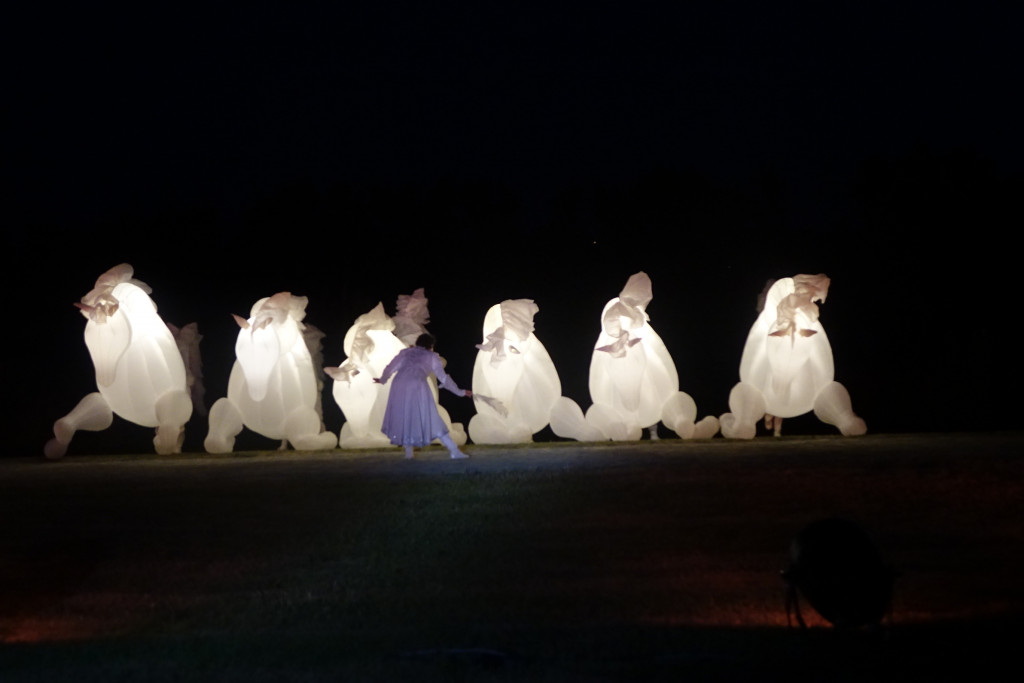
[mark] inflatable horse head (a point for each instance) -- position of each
(271, 332)
(788, 354)
(112, 316)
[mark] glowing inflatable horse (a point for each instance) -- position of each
(787, 368)
(370, 344)
(140, 373)
(273, 388)
(633, 381)
(514, 368)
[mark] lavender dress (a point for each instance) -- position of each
(411, 418)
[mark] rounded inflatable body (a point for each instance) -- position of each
(633, 380)
(140, 374)
(513, 375)
(787, 367)
(274, 389)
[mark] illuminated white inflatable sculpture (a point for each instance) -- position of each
(513, 368)
(787, 367)
(370, 344)
(633, 381)
(140, 373)
(273, 389)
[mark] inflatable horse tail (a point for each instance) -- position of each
(313, 337)
(187, 338)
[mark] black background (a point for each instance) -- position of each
(352, 154)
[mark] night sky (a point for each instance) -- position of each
(352, 154)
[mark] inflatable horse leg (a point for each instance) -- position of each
(494, 429)
(608, 421)
(747, 405)
(832, 406)
(706, 427)
(302, 429)
(173, 409)
(568, 422)
(678, 414)
(92, 414)
(225, 425)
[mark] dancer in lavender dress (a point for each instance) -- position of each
(411, 418)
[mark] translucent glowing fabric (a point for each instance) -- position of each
(787, 367)
(273, 388)
(140, 374)
(514, 375)
(633, 380)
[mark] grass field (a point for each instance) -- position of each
(551, 562)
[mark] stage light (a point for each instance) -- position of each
(839, 570)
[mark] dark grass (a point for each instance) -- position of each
(650, 561)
